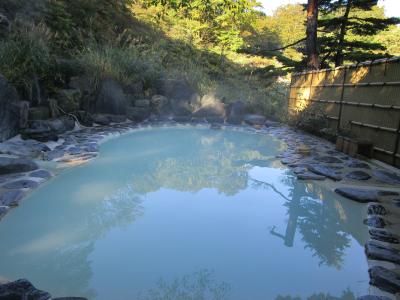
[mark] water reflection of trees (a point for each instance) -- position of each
(200, 285)
(219, 160)
(325, 223)
(40, 250)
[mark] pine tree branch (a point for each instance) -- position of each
(287, 46)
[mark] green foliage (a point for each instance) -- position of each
(25, 58)
(125, 64)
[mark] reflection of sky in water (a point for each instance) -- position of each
(186, 214)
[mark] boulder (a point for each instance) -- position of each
(84, 118)
(111, 99)
(54, 154)
(138, 113)
(362, 195)
(183, 98)
(40, 174)
(16, 165)
(20, 290)
(210, 106)
(9, 110)
(39, 113)
(101, 119)
(136, 89)
(117, 118)
(159, 104)
(142, 103)
(310, 176)
(23, 114)
(253, 119)
(237, 110)
(384, 279)
(39, 130)
(68, 100)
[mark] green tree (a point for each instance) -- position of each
(342, 20)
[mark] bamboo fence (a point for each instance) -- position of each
(362, 99)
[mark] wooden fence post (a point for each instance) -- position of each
(341, 99)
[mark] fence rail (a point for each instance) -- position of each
(363, 99)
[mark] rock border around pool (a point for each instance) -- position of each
(309, 157)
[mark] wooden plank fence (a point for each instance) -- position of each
(363, 99)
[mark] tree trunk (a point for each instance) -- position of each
(342, 33)
(311, 33)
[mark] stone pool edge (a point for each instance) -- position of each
(309, 157)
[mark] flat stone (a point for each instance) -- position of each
(21, 184)
(310, 176)
(325, 171)
(40, 174)
(74, 150)
(328, 159)
(358, 165)
(22, 289)
(386, 177)
(384, 279)
(375, 251)
(16, 165)
(254, 119)
(375, 221)
(11, 198)
(370, 297)
(358, 175)
(363, 196)
(73, 298)
(299, 170)
(376, 209)
(54, 154)
(383, 236)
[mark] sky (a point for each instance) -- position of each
(392, 7)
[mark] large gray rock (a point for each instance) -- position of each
(38, 113)
(237, 110)
(138, 113)
(358, 175)
(39, 130)
(16, 165)
(362, 195)
(111, 99)
(22, 289)
(252, 119)
(160, 104)
(142, 103)
(370, 297)
(376, 251)
(384, 279)
(9, 110)
(210, 106)
(184, 99)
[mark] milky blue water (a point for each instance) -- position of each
(186, 214)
